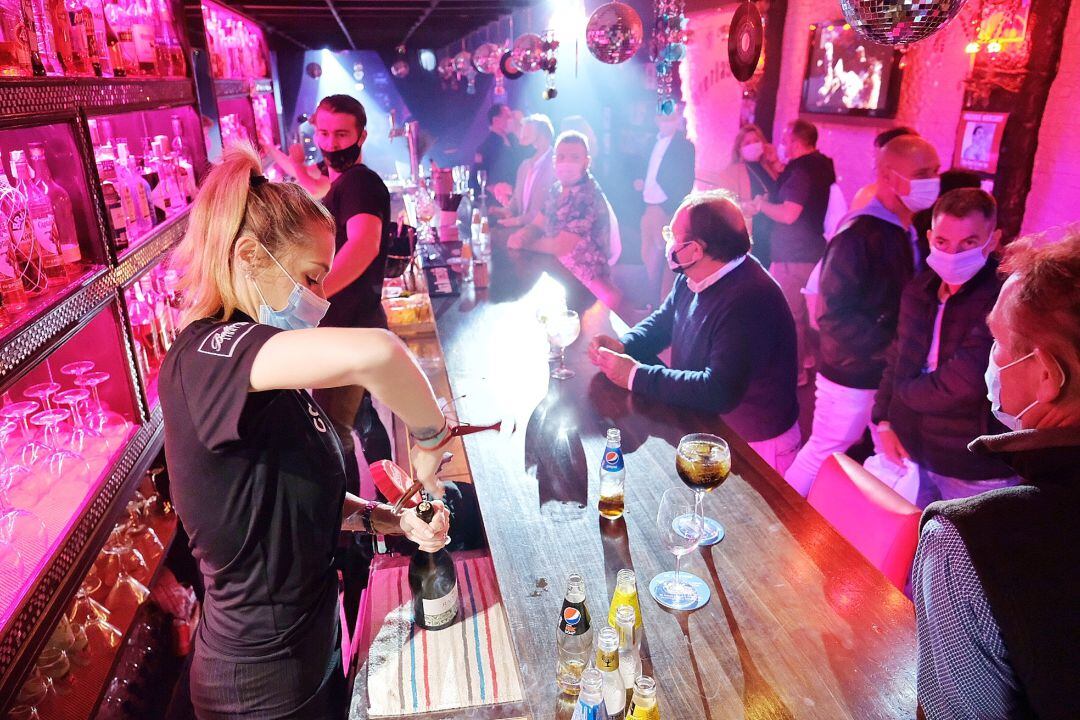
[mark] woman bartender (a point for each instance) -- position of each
(258, 479)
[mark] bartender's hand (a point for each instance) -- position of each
(516, 241)
(296, 154)
(425, 465)
(503, 192)
(616, 366)
(604, 341)
(429, 537)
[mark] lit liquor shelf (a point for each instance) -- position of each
(20, 97)
(58, 318)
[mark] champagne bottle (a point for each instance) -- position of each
(433, 581)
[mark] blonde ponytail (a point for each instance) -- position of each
(230, 205)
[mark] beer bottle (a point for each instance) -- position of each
(643, 706)
(433, 582)
(607, 662)
(574, 636)
(612, 477)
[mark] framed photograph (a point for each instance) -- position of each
(849, 75)
(978, 141)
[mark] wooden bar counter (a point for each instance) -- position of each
(799, 624)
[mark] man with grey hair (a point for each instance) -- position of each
(535, 176)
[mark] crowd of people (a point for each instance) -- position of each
(766, 286)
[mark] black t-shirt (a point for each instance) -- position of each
(805, 181)
(500, 158)
(359, 191)
(258, 482)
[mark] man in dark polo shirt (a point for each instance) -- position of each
(500, 154)
(798, 239)
(360, 203)
(731, 334)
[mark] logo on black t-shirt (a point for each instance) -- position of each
(223, 341)
(316, 418)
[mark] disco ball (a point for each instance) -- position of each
(899, 22)
(314, 70)
(614, 33)
(463, 62)
(400, 69)
(486, 58)
(528, 52)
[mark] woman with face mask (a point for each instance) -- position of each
(258, 477)
(752, 172)
(575, 225)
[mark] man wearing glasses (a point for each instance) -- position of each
(731, 333)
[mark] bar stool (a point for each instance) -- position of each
(870, 515)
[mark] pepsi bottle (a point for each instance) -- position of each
(575, 637)
(612, 478)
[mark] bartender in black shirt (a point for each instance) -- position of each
(360, 203)
(258, 479)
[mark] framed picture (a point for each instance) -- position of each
(849, 75)
(978, 141)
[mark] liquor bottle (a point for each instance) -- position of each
(43, 34)
(625, 594)
(184, 162)
(483, 248)
(141, 221)
(590, 703)
(60, 200)
(629, 644)
(433, 582)
(643, 705)
(474, 229)
(14, 48)
(114, 202)
(12, 218)
(168, 194)
(466, 260)
(29, 23)
(86, 54)
(120, 21)
(574, 636)
(61, 30)
(607, 662)
(177, 67)
(42, 220)
(612, 477)
(142, 33)
(109, 40)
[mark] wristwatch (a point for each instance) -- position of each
(365, 517)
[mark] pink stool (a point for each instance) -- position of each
(882, 525)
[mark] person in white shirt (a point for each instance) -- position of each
(669, 177)
(535, 176)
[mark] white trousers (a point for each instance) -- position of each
(780, 451)
(841, 415)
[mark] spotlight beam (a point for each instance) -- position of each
(341, 24)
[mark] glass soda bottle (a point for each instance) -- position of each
(643, 705)
(629, 645)
(590, 703)
(612, 477)
(625, 594)
(607, 662)
(574, 636)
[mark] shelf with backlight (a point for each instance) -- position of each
(22, 97)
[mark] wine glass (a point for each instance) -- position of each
(563, 328)
(481, 180)
(680, 529)
(703, 462)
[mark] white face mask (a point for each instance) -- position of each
(993, 387)
(303, 310)
(957, 268)
(568, 172)
(752, 152)
(924, 193)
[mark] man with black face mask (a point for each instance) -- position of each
(731, 333)
(360, 203)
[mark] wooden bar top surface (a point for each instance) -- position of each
(799, 625)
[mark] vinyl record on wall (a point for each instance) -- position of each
(509, 68)
(744, 41)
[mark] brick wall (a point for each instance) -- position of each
(1055, 185)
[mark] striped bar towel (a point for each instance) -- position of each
(471, 663)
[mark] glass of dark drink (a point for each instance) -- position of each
(703, 462)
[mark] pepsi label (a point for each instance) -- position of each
(575, 619)
(613, 460)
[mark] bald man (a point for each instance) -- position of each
(864, 271)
